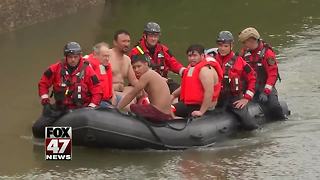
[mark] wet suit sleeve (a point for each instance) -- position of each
(46, 81)
(94, 86)
(271, 67)
(171, 61)
(250, 76)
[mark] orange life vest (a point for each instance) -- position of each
(192, 91)
(104, 74)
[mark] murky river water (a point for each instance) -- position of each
(281, 150)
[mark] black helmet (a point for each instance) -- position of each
(72, 48)
(225, 37)
(152, 27)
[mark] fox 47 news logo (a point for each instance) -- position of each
(58, 143)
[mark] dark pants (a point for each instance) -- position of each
(172, 85)
(183, 110)
(272, 107)
(247, 121)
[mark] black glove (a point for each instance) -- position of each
(263, 97)
(46, 110)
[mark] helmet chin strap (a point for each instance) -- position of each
(149, 46)
(256, 45)
(227, 54)
(72, 68)
(229, 51)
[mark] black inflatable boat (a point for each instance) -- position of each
(109, 128)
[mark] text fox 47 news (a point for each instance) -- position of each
(58, 143)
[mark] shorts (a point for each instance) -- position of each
(118, 99)
(105, 104)
(150, 112)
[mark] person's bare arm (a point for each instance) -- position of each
(175, 94)
(206, 77)
(143, 81)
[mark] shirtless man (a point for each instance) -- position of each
(122, 71)
(155, 86)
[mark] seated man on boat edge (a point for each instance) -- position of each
(262, 59)
(74, 85)
(123, 77)
(99, 61)
(200, 85)
(155, 86)
(238, 85)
